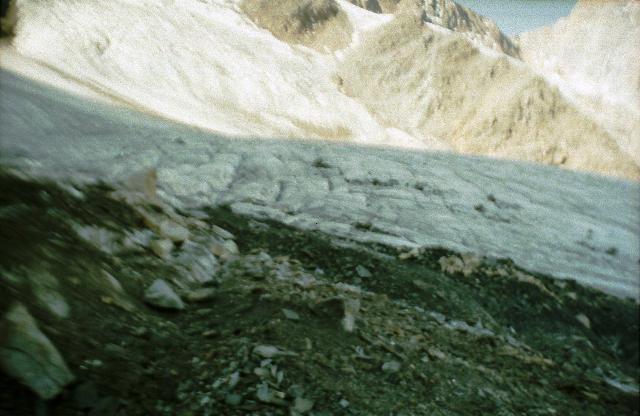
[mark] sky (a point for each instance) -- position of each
(517, 16)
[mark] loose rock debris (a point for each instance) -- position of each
(281, 322)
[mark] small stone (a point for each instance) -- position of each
(100, 238)
(233, 399)
(201, 295)
(160, 294)
(363, 272)
(413, 253)
(627, 388)
(269, 351)
(137, 240)
(113, 282)
(264, 394)
(436, 353)
(204, 311)
(94, 363)
(351, 310)
(266, 351)
(211, 333)
(302, 405)
(572, 295)
(167, 223)
(344, 403)
(195, 223)
(29, 356)
(162, 248)
(391, 367)
(234, 378)
(120, 303)
(53, 301)
(140, 331)
(45, 288)
(115, 349)
(289, 314)
(221, 232)
(560, 284)
(204, 400)
(584, 320)
(295, 390)
(173, 231)
(438, 317)
(198, 214)
(73, 191)
(224, 249)
(144, 182)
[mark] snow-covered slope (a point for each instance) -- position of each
(201, 63)
(240, 68)
(562, 223)
(593, 55)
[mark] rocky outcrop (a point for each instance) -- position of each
(477, 28)
(378, 6)
(316, 23)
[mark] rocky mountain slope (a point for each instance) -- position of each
(444, 77)
(115, 303)
(477, 101)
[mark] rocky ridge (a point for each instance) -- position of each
(475, 100)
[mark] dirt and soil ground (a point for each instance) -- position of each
(301, 323)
